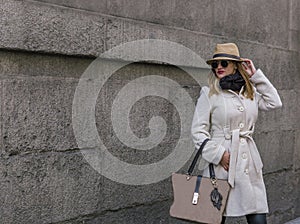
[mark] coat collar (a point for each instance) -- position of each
(229, 93)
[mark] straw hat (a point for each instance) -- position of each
(227, 51)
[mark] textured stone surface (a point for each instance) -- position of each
(297, 152)
(204, 16)
(297, 210)
(294, 25)
(295, 221)
(20, 65)
(40, 112)
(42, 27)
(30, 26)
(274, 147)
(40, 102)
(284, 118)
(281, 191)
(52, 187)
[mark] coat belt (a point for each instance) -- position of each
(235, 143)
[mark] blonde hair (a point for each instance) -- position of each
(214, 85)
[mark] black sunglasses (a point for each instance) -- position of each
(215, 64)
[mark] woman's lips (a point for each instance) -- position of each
(220, 72)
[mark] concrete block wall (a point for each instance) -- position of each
(45, 47)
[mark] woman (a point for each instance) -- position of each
(226, 113)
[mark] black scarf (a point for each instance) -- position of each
(234, 82)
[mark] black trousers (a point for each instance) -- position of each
(253, 219)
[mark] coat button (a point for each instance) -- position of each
(241, 125)
(242, 140)
(246, 171)
(227, 136)
(241, 108)
(244, 155)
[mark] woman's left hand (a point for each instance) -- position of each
(225, 160)
(249, 67)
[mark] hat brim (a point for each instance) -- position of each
(224, 58)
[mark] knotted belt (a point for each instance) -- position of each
(235, 144)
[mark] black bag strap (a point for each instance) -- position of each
(192, 166)
(212, 171)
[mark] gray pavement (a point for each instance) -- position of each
(295, 221)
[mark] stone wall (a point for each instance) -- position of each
(46, 46)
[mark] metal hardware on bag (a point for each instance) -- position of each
(214, 182)
(196, 192)
(188, 177)
(195, 198)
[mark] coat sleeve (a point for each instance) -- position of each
(266, 94)
(212, 151)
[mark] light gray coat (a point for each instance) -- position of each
(228, 120)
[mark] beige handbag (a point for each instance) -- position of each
(198, 198)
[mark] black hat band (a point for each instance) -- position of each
(227, 55)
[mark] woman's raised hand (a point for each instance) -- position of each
(249, 66)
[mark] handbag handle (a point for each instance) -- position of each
(192, 166)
